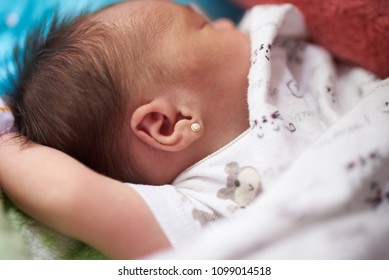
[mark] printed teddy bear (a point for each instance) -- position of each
(243, 184)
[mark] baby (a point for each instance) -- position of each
(136, 91)
(150, 93)
(121, 88)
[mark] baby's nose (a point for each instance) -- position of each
(223, 23)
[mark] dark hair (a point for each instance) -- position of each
(68, 93)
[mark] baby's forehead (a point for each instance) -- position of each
(142, 10)
(141, 23)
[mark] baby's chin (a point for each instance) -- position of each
(246, 50)
(247, 40)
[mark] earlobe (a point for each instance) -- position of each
(166, 126)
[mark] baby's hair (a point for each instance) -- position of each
(68, 93)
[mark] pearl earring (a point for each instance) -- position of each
(195, 127)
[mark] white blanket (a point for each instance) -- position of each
(332, 201)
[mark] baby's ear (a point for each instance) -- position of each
(166, 126)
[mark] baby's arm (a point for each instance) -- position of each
(72, 199)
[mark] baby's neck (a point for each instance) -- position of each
(166, 166)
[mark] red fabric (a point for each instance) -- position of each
(356, 31)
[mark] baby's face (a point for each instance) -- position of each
(210, 57)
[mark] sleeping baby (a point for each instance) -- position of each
(200, 119)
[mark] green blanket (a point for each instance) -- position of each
(21, 237)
